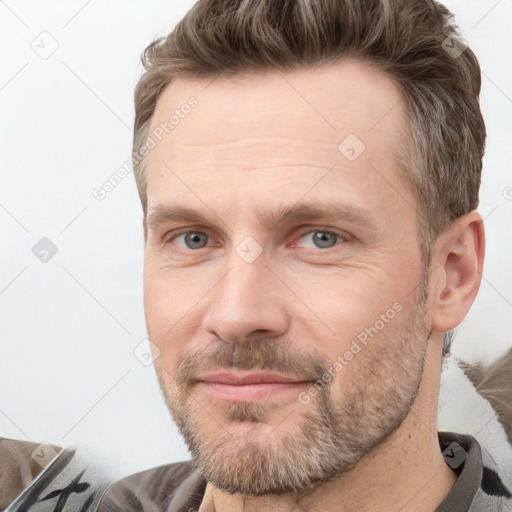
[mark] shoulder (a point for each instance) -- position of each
(150, 490)
(20, 463)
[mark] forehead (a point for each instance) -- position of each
(346, 115)
(333, 99)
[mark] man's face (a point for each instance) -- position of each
(242, 294)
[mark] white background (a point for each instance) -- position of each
(69, 327)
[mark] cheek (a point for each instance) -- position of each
(160, 313)
(172, 304)
(346, 300)
(157, 307)
(164, 297)
(350, 314)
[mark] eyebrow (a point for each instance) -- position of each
(283, 215)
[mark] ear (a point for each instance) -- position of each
(459, 258)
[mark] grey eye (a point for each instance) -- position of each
(194, 239)
(324, 239)
(320, 239)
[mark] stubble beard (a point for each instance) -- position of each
(329, 439)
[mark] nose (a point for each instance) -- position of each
(249, 299)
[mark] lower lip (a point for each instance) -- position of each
(252, 392)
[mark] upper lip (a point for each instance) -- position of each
(239, 379)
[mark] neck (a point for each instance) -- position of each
(406, 472)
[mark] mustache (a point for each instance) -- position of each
(261, 354)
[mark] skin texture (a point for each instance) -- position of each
(294, 299)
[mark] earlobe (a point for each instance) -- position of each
(459, 257)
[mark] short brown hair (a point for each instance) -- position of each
(412, 41)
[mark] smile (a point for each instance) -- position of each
(250, 386)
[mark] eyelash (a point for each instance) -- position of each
(342, 237)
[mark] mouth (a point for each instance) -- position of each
(249, 386)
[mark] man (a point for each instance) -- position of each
(309, 174)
